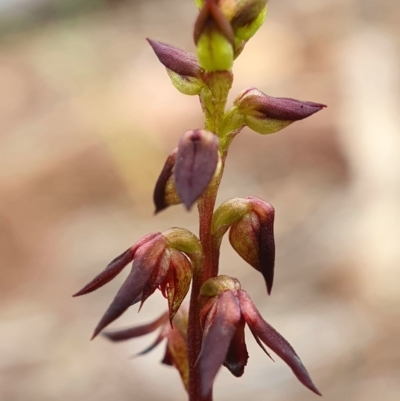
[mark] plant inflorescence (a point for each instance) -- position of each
(209, 331)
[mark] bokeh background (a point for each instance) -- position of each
(87, 118)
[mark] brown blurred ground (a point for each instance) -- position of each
(87, 117)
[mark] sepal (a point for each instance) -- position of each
(197, 160)
(267, 115)
(182, 67)
(165, 193)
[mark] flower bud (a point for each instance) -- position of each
(267, 115)
(165, 191)
(252, 237)
(214, 38)
(248, 18)
(182, 67)
(196, 163)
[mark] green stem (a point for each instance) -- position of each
(213, 101)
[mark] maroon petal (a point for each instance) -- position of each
(157, 277)
(115, 267)
(196, 162)
(273, 340)
(218, 336)
(179, 281)
(237, 356)
(146, 259)
(137, 331)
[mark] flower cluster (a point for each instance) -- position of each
(209, 333)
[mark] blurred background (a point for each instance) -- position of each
(87, 118)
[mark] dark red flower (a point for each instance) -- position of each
(225, 311)
(155, 265)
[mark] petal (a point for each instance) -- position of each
(137, 331)
(237, 356)
(158, 275)
(179, 283)
(217, 338)
(266, 256)
(146, 259)
(196, 162)
(115, 267)
(273, 340)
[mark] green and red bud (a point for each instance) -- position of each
(214, 38)
(197, 162)
(251, 224)
(223, 319)
(244, 16)
(182, 67)
(267, 115)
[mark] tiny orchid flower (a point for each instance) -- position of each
(225, 311)
(266, 115)
(251, 224)
(155, 265)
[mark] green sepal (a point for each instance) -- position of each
(185, 84)
(248, 31)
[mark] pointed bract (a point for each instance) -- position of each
(196, 163)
